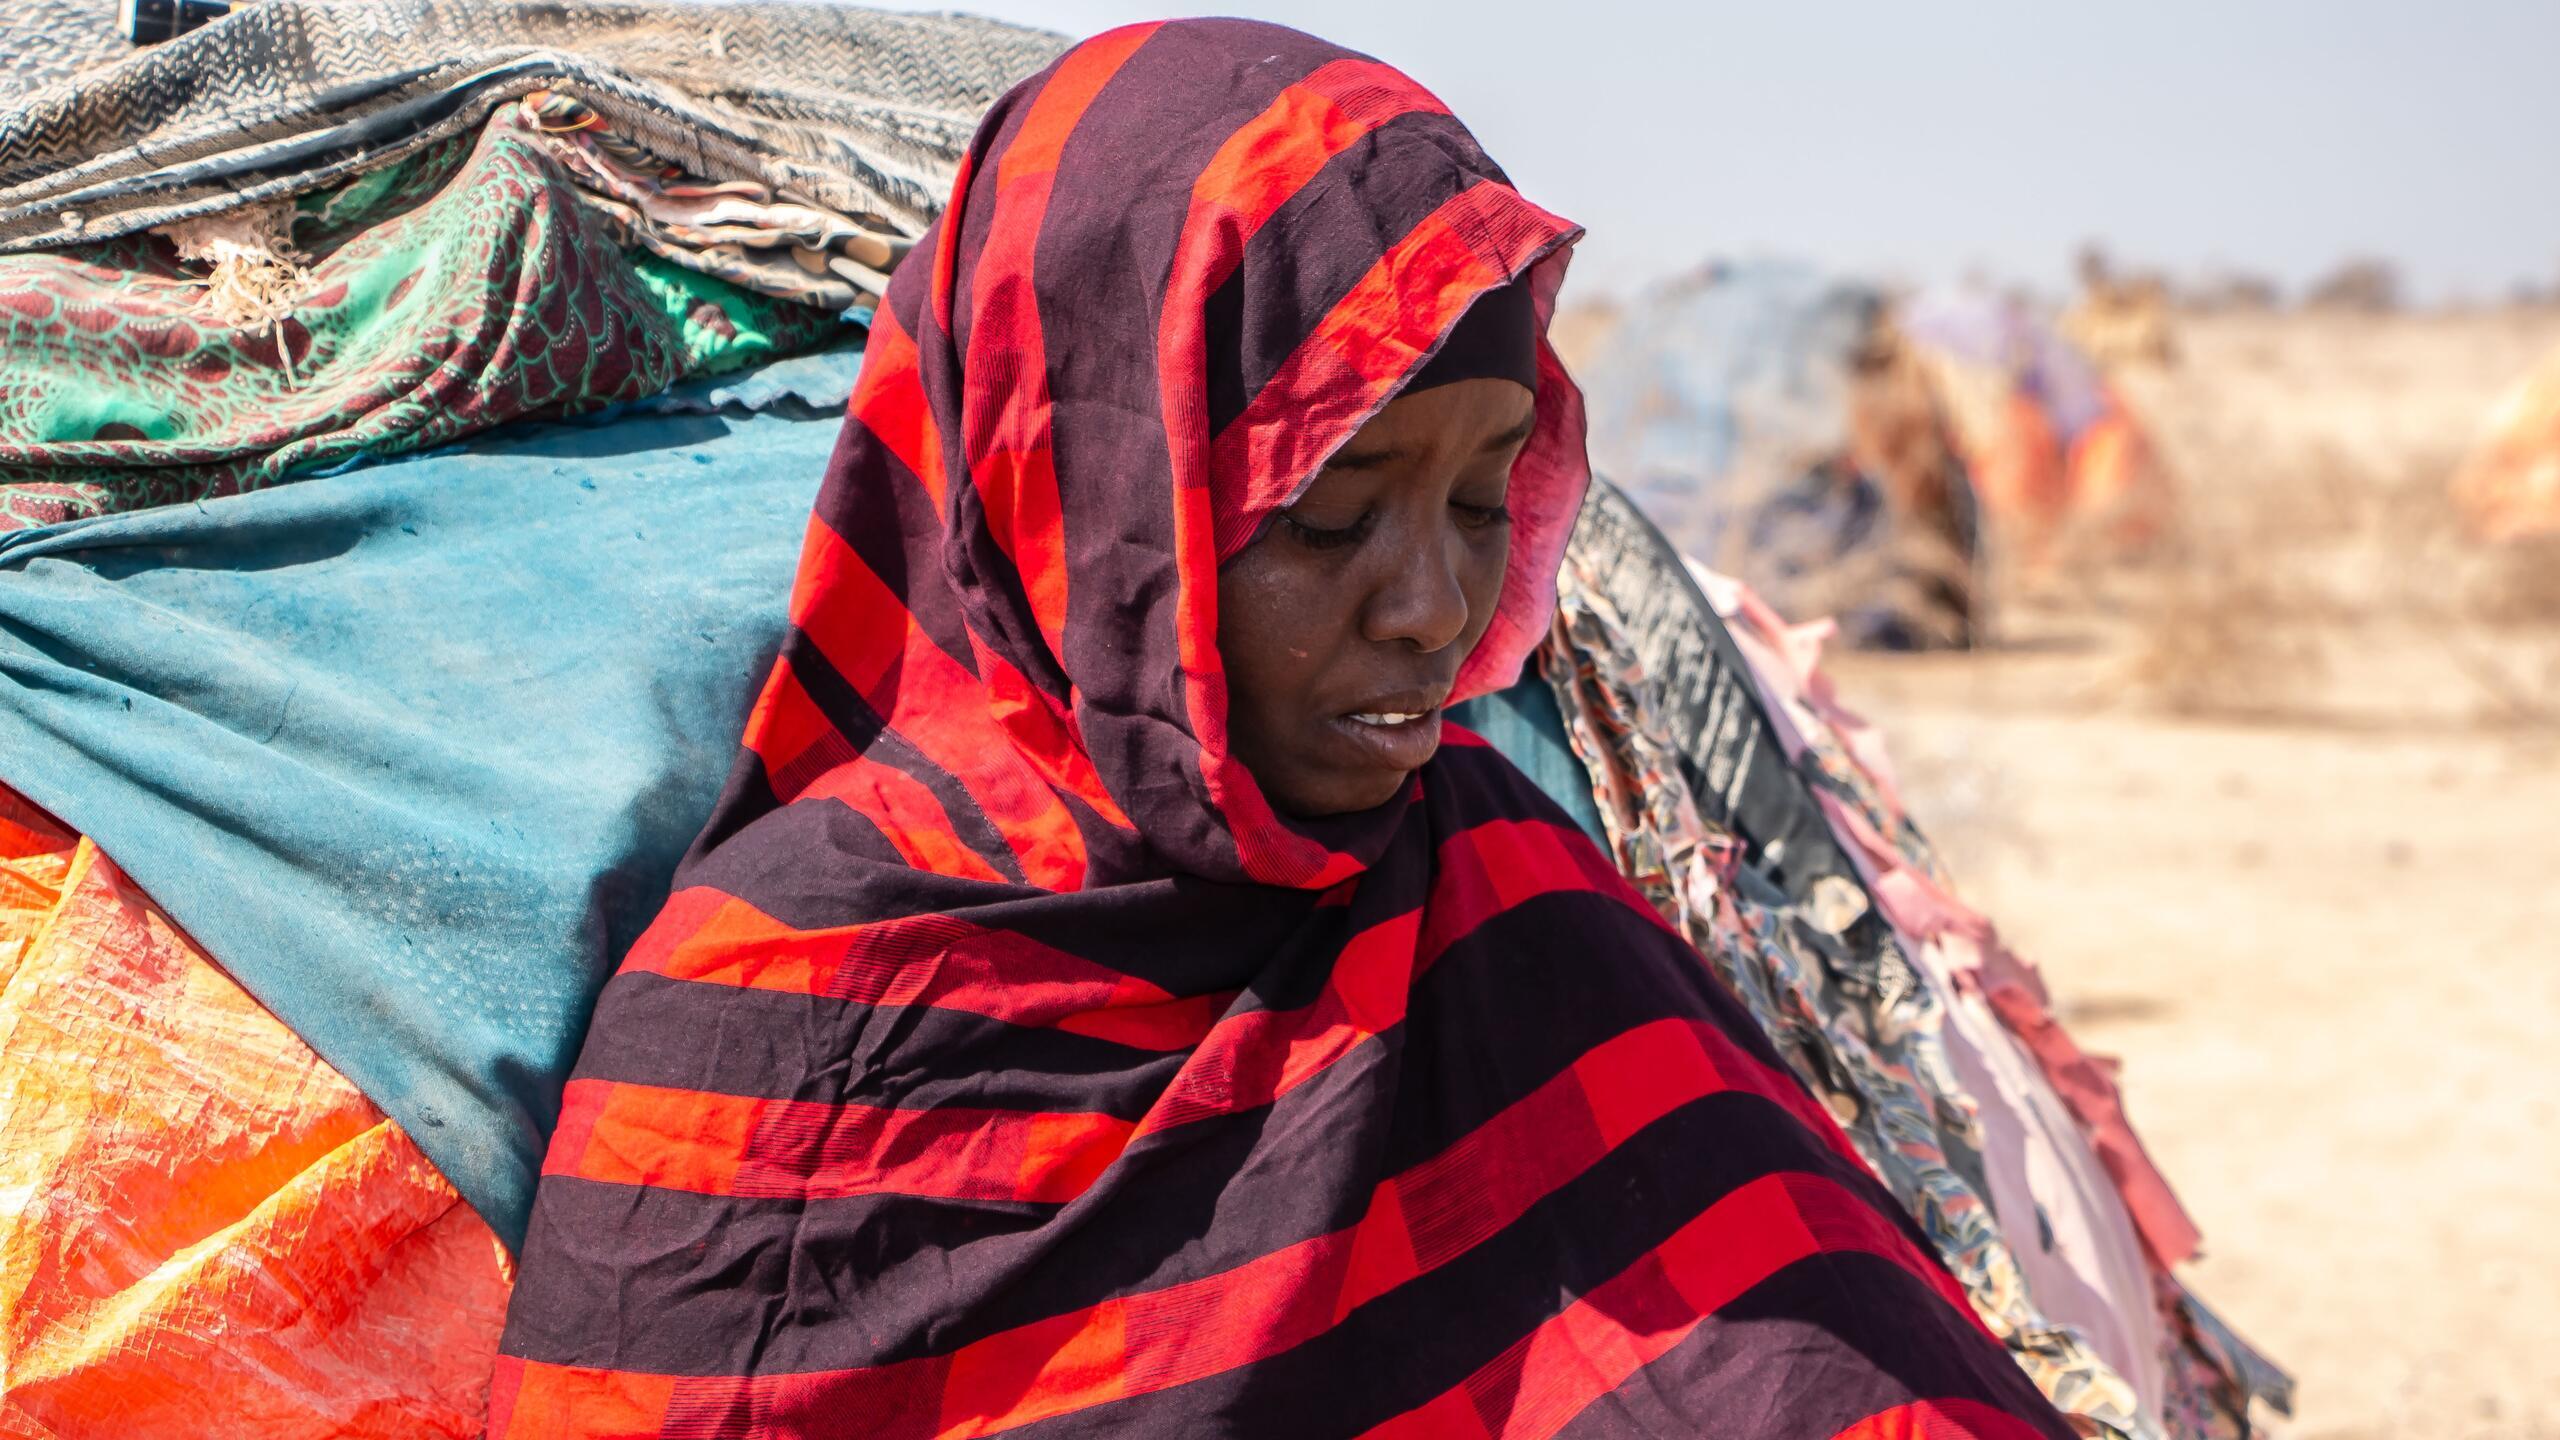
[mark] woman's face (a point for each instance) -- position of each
(1343, 625)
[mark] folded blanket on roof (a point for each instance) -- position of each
(451, 291)
(44, 41)
(307, 233)
(858, 111)
(742, 231)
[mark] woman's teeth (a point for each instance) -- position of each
(1389, 717)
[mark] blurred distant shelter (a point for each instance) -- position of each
(2060, 461)
(1770, 418)
(1856, 456)
(2509, 487)
(2120, 319)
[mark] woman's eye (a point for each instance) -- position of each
(1481, 517)
(1321, 537)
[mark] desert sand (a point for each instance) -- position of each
(2278, 815)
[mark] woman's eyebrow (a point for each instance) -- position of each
(1517, 434)
(1349, 459)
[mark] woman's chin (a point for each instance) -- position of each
(1325, 797)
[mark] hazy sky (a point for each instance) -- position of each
(1928, 141)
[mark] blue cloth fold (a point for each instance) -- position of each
(1526, 724)
(413, 751)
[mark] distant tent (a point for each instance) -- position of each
(1767, 417)
(2509, 488)
(2053, 450)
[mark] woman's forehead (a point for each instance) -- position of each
(1448, 421)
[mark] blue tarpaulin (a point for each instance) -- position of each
(413, 750)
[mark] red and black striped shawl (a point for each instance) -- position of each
(1004, 1063)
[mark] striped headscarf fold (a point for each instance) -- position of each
(1004, 1062)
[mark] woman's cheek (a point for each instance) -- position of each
(1488, 562)
(1267, 615)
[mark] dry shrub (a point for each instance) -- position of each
(2518, 584)
(2213, 639)
(2512, 602)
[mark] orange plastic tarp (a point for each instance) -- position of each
(2509, 489)
(2117, 488)
(204, 1229)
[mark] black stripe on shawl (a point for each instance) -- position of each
(901, 1256)
(814, 865)
(1850, 1351)
(726, 1040)
(711, 1299)
(878, 507)
(747, 803)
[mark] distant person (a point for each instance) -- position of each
(1107, 1001)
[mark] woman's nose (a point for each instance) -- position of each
(1418, 598)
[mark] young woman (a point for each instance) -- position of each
(1107, 999)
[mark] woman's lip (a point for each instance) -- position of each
(1402, 746)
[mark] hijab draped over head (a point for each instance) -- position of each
(1005, 1060)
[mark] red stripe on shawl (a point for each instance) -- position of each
(1269, 158)
(805, 756)
(1240, 1063)
(1949, 1419)
(532, 1401)
(1463, 1196)
(1547, 1377)
(1005, 409)
(933, 703)
(1504, 863)
(1552, 1374)
(925, 960)
(1253, 174)
(1044, 734)
(889, 401)
(1419, 1220)
(739, 1145)
(908, 813)
(946, 253)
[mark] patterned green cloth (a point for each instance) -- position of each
(449, 292)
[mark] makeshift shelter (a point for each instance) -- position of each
(332, 800)
(2056, 455)
(355, 711)
(1769, 419)
(2509, 486)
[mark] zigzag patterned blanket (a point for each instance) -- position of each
(860, 111)
(425, 257)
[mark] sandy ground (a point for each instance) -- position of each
(2278, 817)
